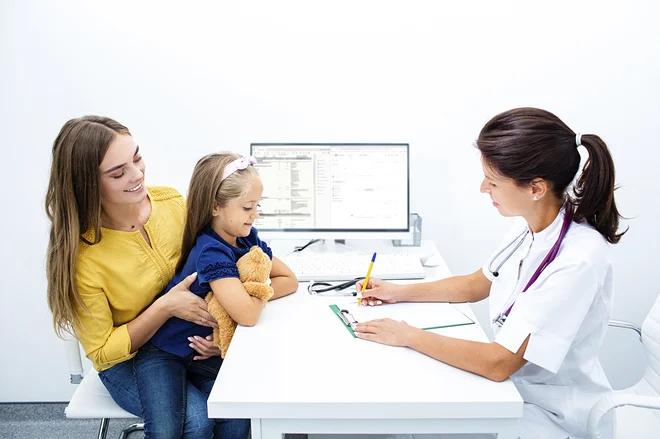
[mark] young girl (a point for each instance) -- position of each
(222, 206)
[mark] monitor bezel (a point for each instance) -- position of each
(385, 232)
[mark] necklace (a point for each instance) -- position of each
(140, 217)
(117, 226)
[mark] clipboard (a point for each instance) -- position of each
(452, 316)
(346, 320)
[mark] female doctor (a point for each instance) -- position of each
(549, 282)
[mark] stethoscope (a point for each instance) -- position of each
(520, 239)
(315, 288)
(552, 254)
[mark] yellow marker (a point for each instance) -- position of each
(366, 279)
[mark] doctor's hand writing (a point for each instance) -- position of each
(385, 331)
(379, 292)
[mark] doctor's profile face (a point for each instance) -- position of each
(509, 198)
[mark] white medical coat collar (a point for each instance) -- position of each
(550, 233)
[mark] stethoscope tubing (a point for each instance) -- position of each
(552, 254)
(496, 272)
(326, 286)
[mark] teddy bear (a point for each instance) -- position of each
(253, 270)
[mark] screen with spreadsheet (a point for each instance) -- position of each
(333, 187)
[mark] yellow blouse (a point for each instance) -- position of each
(122, 275)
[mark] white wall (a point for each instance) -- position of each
(190, 78)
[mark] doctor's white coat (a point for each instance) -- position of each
(565, 313)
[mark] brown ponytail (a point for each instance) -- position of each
(594, 190)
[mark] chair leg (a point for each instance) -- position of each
(103, 429)
(138, 426)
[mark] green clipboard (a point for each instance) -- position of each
(337, 311)
(346, 319)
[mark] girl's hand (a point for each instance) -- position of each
(385, 331)
(180, 302)
(204, 347)
(378, 292)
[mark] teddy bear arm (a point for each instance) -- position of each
(259, 290)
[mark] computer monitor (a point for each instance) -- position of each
(334, 191)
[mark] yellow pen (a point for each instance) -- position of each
(366, 279)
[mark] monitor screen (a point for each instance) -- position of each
(333, 187)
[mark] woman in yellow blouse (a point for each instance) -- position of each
(114, 245)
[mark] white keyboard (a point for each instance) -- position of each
(320, 267)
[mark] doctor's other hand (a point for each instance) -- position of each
(379, 292)
(385, 331)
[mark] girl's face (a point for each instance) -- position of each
(122, 173)
(509, 198)
(237, 217)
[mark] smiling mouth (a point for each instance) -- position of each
(136, 188)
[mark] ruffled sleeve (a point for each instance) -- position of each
(215, 261)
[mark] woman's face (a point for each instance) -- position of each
(509, 198)
(122, 172)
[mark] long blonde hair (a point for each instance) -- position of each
(73, 205)
(206, 191)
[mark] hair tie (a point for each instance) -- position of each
(238, 165)
(578, 140)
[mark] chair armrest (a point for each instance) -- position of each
(617, 399)
(626, 325)
(73, 360)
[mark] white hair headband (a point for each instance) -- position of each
(238, 165)
(578, 140)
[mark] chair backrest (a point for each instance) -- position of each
(651, 341)
(73, 359)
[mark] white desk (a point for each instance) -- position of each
(299, 371)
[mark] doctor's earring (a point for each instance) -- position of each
(536, 197)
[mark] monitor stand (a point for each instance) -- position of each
(333, 246)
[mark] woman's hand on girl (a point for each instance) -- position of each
(180, 302)
(204, 347)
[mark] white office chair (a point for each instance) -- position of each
(91, 399)
(633, 419)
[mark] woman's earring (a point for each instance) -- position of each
(536, 197)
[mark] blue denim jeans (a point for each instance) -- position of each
(170, 394)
